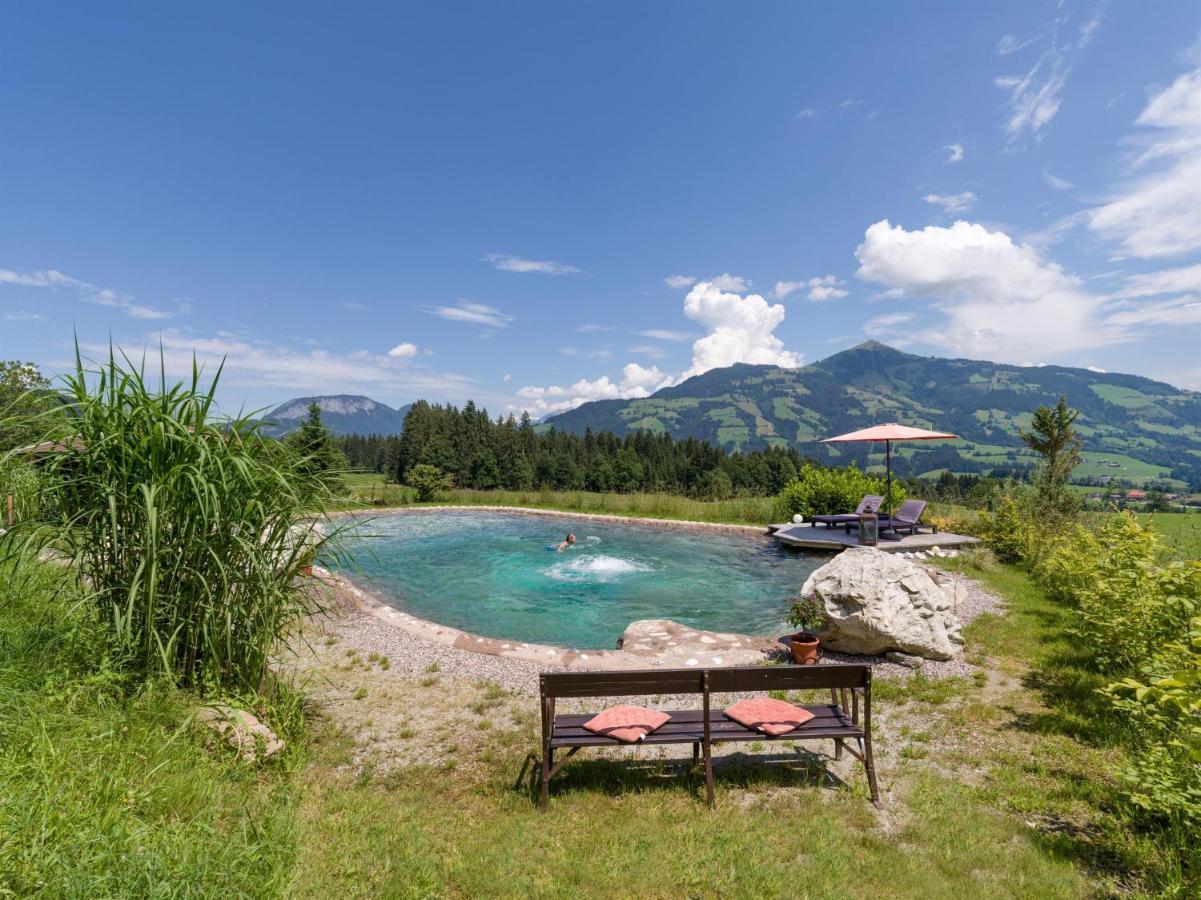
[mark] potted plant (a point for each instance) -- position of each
(809, 615)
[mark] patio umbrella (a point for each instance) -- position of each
(889, 433)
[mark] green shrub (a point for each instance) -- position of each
(1165, 709)
(1009, 530)
(20, 480)
(429, 482)
(188, 535)
(820, 491)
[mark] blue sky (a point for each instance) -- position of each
(538, 204)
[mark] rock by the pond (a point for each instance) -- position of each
(877, 602)
(241, 730)
(678, 644)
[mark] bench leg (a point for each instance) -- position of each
(869, 763)
(544, 794)
(709, 775)
(696, 752)
(837, 748)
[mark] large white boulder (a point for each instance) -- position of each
(877, 602)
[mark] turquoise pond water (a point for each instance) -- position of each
(495, 574)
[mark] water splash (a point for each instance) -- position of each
(602, 569)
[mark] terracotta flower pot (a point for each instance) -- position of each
(307, 570)
(806, 648)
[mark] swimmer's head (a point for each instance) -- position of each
(570, 537)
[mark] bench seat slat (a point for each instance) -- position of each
(687, 726)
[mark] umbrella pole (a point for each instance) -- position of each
(888, 478)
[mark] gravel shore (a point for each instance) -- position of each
(411, 654)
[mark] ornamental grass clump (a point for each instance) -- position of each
(186, 533)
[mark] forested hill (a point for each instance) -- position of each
(1133, 428)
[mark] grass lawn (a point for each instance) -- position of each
(998, 785)
(1181, 531)
(368, 488)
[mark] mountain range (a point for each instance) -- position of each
(342, 413)
(1133, 428)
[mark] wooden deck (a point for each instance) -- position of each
(819, 537)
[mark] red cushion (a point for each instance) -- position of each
(626, 723)
(770, 716)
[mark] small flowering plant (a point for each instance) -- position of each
(808, 614)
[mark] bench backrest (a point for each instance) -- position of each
(645, 682)
(869, 503)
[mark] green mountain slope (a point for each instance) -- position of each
(1133, 428)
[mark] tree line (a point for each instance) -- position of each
(480, 452)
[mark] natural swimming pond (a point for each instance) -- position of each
(496, 574)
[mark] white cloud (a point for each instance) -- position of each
(508, 376)
(954, 152)
(403, 351)
(952, 204)
(728, 282)
(826, 287)
(473, 314)
(589, 327)
(1055, 182)
(23, 315)
(636, 381)
(352, 306)
(259, 363)
(1098, 370)
(994, 299)
(664, 334)
(886, 325)
(1165, 281)
(91, 293)
(1035, 97)
(508, 263)
(806, 113)
(678, 282)
(598, 353)
(649, 350)
(1159, 215)
(741, 329)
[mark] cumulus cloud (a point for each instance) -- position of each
(952, 203)
(1159, 214)
(994, 298)
(741, 329)
(636, 381)
(403, 351)
(91, 293)
(954, 152)
(728, 282)
(825, 287)
(679, 282)
(506, 262)
(473, 314)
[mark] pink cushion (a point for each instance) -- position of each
(770, 716)
(626, 723)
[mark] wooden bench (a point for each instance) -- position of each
(847, 719)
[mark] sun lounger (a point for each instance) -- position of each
(904, 519)
(869, 503)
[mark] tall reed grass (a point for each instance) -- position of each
(187, 533)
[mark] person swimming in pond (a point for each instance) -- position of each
(564, 544)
